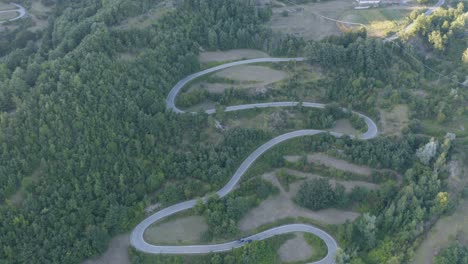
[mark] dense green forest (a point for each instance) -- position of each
(86, 142)
(95, 129)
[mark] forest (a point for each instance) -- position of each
(86, 142)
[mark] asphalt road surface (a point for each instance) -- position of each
(137, 240)
(21, 12)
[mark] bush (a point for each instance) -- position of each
(316, 194)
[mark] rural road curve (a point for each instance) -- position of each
(427, 13)
(137, 240)
(21, 12)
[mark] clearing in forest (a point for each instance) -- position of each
(379, 21)
(295, 249)
(241, 77)
(5, 6)
(332, 162)
(394, 121)
(231, 55)
(178, 231)
(281, 206)
(148, 18)
(304, 20)
(39, 14)
(344, 126)
(8, 15)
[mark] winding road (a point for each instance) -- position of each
(21, 13)
(137, 239)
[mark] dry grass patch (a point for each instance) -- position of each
(295, 249)
(150, 17)
(8, 15)
(241, 77)
(39, 14)
(303, 20)
(178, 231)
(252, 73)
(230, 55)
(332, 162)
(394, 121)
(379, 21)
(6, 6)
(281, 206)
(443, 232)
(344, 126)
(349, 184)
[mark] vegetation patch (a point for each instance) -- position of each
(395, 120)
(281, 206)
(441, 235)
(6, 6)
(318, 246)
(379, 21)
(8, 15)
(230, 55)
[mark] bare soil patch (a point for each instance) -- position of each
(295, 249)
(117, 253)
(330, 161)
(179, 231)
(443, 232)
(281, 206)
(394, 121)
(303, 20)
(231, 55)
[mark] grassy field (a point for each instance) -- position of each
(296, 249)
(379, 21)
(182, 230)
(230, 55)
(6, 6)
(281, 206)
(393, 121)
(302, 20)
(8, 15)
